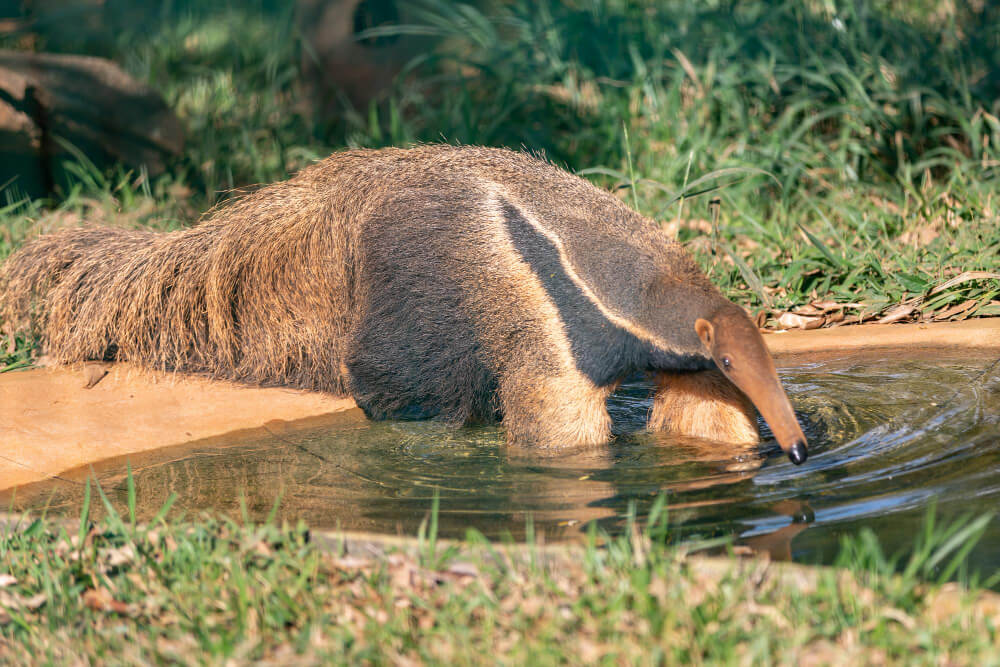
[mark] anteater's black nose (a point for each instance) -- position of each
(797, 453)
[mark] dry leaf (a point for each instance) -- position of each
(793, 321)
(463, 569)
(918, 237)
(897, 615)
(955, 310)
(100, 599)
(34, 602)
(7, 580)
(352, 563)
(897, 313)
(699, 225)
(820, 652)
(178, 648)
(963, 278)
(403, 575)
(987, 605)
(770, 612)
(119, 556)
(588, 652)
(943, 605)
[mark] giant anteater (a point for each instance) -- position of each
(457, 282)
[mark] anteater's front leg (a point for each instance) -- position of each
(553, 411)
(703, 405)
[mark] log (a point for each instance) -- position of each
(48, 100)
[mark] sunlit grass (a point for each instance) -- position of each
(851, 152)
(876, 141)
(179, 589)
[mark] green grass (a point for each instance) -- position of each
(803, 152)
(214, 590)
(856, 163)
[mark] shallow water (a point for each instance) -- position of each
(888, 436)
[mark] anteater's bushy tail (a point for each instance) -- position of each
(260, 292)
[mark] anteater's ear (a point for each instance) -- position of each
(706, 332)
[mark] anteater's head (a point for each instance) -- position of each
(738, 349)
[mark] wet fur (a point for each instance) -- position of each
(458, 282)
(703, 405)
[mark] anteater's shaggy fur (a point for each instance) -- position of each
(451, 281)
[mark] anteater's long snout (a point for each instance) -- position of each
(740, 353)
(774, 406)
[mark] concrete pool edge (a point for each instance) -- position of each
(972, 334)
(60, 425)
(50, 422)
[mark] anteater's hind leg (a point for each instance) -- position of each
(703, 405)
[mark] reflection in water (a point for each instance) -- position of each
(886, 438)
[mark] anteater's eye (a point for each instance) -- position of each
(726, 363)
